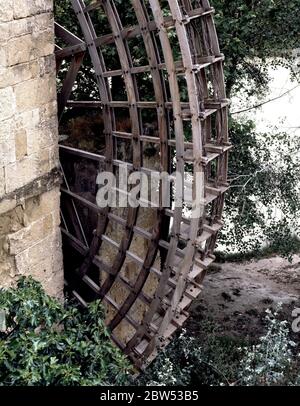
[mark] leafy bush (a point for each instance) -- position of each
(262, 206)
(209, 361)
(174, 366)
(213, 360)
(271, 361)
(45, 343)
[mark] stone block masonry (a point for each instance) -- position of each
(30, 242)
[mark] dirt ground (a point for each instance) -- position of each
(236, 295)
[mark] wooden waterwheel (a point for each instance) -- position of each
(146, 264)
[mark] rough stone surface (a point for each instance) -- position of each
(26, 8)
(29, 194)
(30, 242)
(2, 189)
(7, 11)
(8, 104)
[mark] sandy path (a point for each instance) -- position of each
(236, 295)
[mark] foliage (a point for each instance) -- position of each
(216, 360)
(263, 204)
(271, 361)
(267, 251)
(264, 200)
(252, 33)
(189, 360)
(46, 344)
(174, 365)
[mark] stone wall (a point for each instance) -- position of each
(29, 181)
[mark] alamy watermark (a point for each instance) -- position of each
(153, 189)
(296, 322)
(2, 321)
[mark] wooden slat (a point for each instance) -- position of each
(70, 51)
(67, 36)
(68, 83)
(134, 31)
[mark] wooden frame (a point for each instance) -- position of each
(186, 245)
